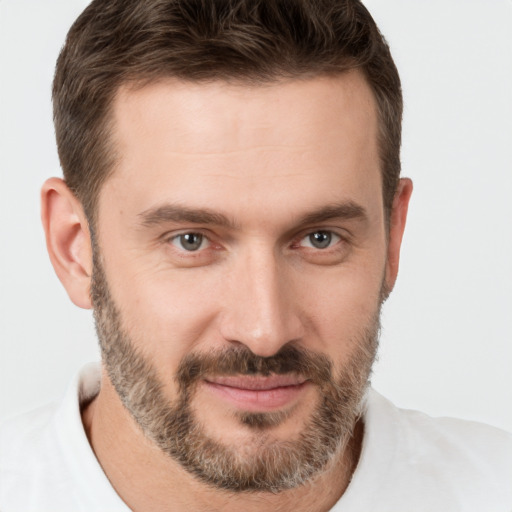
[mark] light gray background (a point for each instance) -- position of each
(446, 344)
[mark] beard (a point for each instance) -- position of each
(264, 463)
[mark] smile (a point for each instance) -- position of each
(258, 393)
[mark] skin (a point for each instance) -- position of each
(264, 157)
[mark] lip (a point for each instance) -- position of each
(255, 393)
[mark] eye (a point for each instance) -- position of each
(190, 242)
(320, 240)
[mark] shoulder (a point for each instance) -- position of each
(46, 462)
(24, 434)
(27, 450)
(412, 461)
(25, 422)
(466, 445)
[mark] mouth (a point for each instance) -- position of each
(258, 393)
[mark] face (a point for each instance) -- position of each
(240, 264)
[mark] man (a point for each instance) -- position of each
(233, 213)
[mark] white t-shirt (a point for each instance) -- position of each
(409, 462)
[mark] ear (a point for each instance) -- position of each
(68, 240)
(397, 221)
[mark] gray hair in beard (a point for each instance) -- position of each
(269, 465)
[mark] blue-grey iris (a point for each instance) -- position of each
(191, 241)
(320, 239)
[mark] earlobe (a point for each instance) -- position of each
(397, 222)
(67, 240)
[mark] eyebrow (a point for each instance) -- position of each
(178, 213)
(346, 211)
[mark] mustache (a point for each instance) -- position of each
(241, 361)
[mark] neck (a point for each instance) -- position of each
(147, 479)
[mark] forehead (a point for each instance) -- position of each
(279, 143)
(191, 108)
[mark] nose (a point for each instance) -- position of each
(260, 309)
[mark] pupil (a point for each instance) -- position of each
(320, 239)
(191, 241)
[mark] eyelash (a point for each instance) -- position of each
(334, 237)
(330, 234)
(176, 238)
(181, 252)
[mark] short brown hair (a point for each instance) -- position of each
(116, 42)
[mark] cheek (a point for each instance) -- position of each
(169, 313)
(340, 308)
(166, 314)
